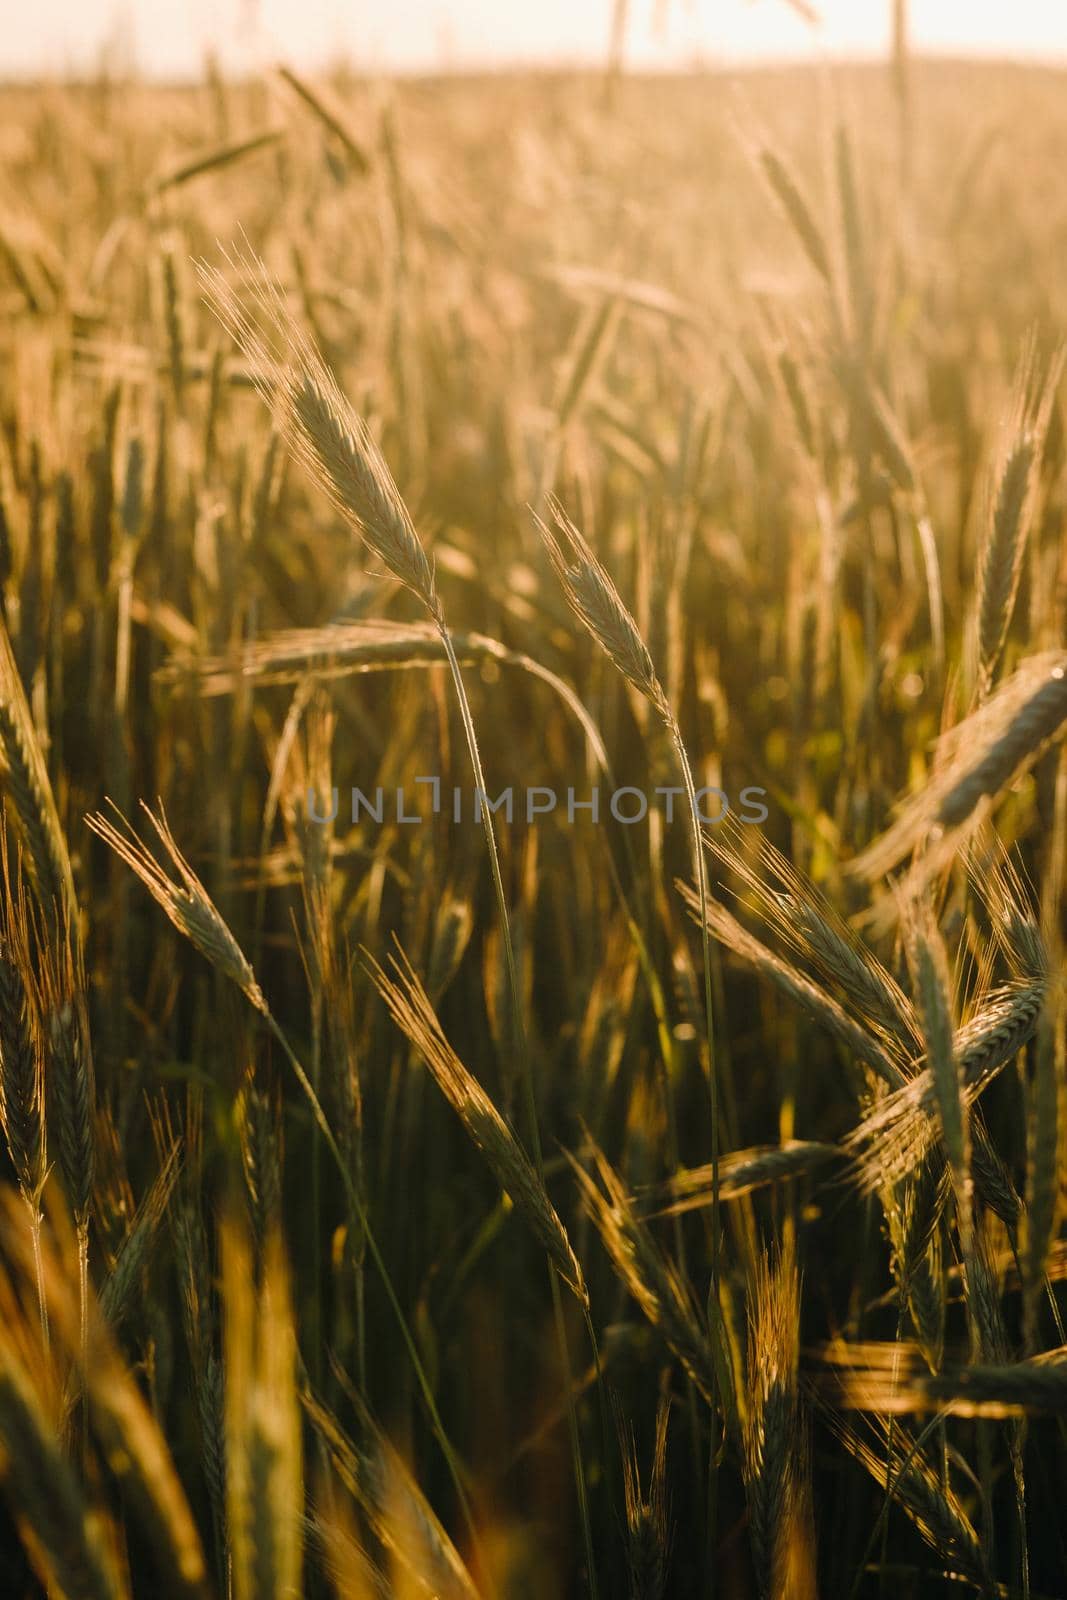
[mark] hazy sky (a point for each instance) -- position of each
(170, 35)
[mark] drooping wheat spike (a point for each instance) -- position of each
(931, 1505)
(336, 448)
(410, 1007)
(979, 757)
(648, 1533)
(648, 1275)
(983, 1390)
(887, 1378)
(811, 996)
(397, 1512)
(742, 1171)
(1037, 720)
(331, 442)
(771, 1422)
(185, 900)
(799, 914)
(264, 1474)
(27, 787)
(896, 1135)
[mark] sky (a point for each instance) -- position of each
(169, 37)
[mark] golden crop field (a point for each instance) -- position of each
(533, 670)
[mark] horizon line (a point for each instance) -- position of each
(699, 65)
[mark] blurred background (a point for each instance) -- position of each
(168, 38)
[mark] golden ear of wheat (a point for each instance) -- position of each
(184, 898)
(26, 783)
(330, 441)
(411, 1009)
(597, 604)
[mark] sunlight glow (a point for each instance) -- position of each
(170, 36)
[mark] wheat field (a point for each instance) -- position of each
(533, 671)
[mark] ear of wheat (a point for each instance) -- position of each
(410, 1007)
(317, 422)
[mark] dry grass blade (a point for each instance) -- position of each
(412, 1011)
(591, 344)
